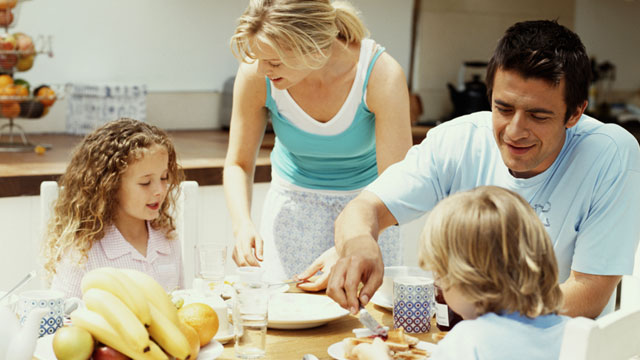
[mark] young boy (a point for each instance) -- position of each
(493, 259)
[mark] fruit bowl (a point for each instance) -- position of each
(19, 50)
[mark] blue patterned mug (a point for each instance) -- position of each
(53, 301)
(413, 303)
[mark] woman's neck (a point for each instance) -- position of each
(342, 59)
(135, 232)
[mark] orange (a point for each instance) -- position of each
(22, 90)
(7, 94)
(5, 80)
(10, 110)
(202, 318)
(192, 338)
(46, 96)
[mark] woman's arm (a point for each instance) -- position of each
(388, 98)
(248, 122)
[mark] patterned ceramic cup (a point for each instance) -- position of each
(51, 300)
(413, 299)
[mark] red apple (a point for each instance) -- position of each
(6, 17)
(104, 352)
(24, 44)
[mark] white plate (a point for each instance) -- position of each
(336, 350)
(224, 337)
(382, 301)
(302, 311)
(210, 351)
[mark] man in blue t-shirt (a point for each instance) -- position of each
(581, 176)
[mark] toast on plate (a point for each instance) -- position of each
(401, 345)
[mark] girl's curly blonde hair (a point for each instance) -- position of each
(304, 28)
(490, 244)
(87, 200)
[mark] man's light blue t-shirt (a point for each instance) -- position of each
(507, 336)
(588, 199)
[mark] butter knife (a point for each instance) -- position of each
(370, 323)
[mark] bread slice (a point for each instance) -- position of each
(402, 346)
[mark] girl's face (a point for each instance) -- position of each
(270, 65)
(144, 186)
(458, 303)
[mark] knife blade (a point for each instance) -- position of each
(370, 323)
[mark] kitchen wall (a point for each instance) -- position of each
(179, 49)
(453, 31)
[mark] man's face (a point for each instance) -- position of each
(528, 122)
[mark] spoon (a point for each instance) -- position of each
(20, 284)
(309, 357)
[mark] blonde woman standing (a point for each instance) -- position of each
(339, 106)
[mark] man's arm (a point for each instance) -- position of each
(356, 232)
(587, 294)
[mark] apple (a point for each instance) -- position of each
(8, 42)
(104, 352)
(6, 17)
(24, 63)
(8, 4)
(24, 44)
(72, 342)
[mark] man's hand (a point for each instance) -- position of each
(324, 263)
(360, 261)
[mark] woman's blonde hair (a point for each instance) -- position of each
(303, 29)
(490, 244)
(87, 199)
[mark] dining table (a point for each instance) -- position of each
(294, 344)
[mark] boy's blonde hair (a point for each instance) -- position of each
(305, 29)
(87, 200)
(490, 244)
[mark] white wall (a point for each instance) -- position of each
(20, 224)
(610, 32)
(168, 45)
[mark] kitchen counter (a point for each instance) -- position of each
(200, 152)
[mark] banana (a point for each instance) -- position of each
(154, 293)
(103, 332)
(112, 280)
(168, 335)
(121, 318)
(155, 353)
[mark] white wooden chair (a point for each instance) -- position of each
(186, 215)
(615, 336)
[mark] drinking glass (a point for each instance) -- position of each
(250, 308)
(209, 265)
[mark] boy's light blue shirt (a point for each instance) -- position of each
(507, 336)
(588, 199)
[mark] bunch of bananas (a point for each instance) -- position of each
(130, 312)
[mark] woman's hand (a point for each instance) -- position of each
(249, 246)
(324, 263)
(377, 350)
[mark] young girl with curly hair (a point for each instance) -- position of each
(114, 205)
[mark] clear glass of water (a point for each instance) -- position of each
(250, 309)
(209, 265)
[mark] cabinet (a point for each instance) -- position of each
(18, 98)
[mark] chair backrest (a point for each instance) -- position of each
(612, 337)
(630, 294)
(186, 216)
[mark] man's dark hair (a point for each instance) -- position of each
(546, 50)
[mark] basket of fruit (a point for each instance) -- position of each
(18, 100)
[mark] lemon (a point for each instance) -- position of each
(202, 318)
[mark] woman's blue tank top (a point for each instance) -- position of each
(344, 161)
